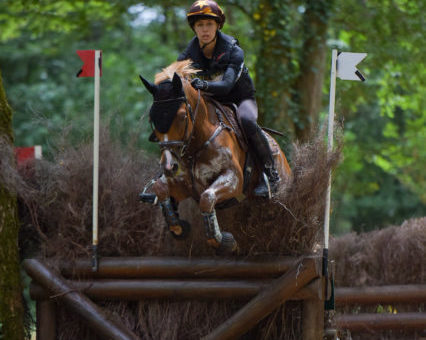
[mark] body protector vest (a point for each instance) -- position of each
(229, 80)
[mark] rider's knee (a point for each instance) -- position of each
(249, 126)
(248, 110)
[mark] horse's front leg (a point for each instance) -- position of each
(170, 193)
(226, 186)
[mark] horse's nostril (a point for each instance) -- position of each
(175, 167)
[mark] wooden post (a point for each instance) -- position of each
(46, 320)
(77, 302)
(313, 319)
(267, 301)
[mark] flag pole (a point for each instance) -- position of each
(96, 163)
(329, 149)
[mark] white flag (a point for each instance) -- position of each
(346, 63)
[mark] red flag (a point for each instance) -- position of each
(27, 154)
(88, 68)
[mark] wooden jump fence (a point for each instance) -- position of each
(267, 282)
(388, 295)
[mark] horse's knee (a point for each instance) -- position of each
(207, 201)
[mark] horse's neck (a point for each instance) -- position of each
(206, 123)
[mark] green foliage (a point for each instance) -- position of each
(381, 179)
(41, 81)
(274, 33)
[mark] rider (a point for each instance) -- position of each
(224, 75)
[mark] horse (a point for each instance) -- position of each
(201, 156)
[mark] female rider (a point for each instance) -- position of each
(224, 76)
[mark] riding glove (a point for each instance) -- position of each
(199, 84)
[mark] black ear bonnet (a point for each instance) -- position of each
(167, 100)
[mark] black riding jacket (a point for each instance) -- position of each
(228, 78)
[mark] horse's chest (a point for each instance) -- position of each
(209, 167)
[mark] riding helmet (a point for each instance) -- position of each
(205, 9)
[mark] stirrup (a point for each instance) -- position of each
(264, 188)
(148, 197)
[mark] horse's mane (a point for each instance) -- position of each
(183, 68)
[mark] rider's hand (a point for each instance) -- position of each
(199, 84)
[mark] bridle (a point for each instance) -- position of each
(172, 145)
(179, 148)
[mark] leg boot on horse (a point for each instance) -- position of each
(223, 242)
(179, 228)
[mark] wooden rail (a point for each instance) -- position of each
(132, 290)
(411, 294)
(381, 294)
(371, 321)
(175, 267)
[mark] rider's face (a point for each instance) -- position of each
(205, 29)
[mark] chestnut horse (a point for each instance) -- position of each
(200, 154)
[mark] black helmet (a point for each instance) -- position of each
(205, 9)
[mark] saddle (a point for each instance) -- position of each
(229, 111)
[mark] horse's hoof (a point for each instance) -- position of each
(181, 230)
(228, 245)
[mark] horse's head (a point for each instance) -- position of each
(169, 116)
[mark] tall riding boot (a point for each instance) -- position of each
(269, 178)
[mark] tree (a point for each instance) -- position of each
(308, 86)
(290, 61)
(11, 307)
(382, 178)
(287, 45)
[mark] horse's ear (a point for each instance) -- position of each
(177, 84)
(152, 88)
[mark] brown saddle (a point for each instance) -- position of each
(227, 115)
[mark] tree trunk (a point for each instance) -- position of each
(308, 88)
(273, 63)
(11, 306)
